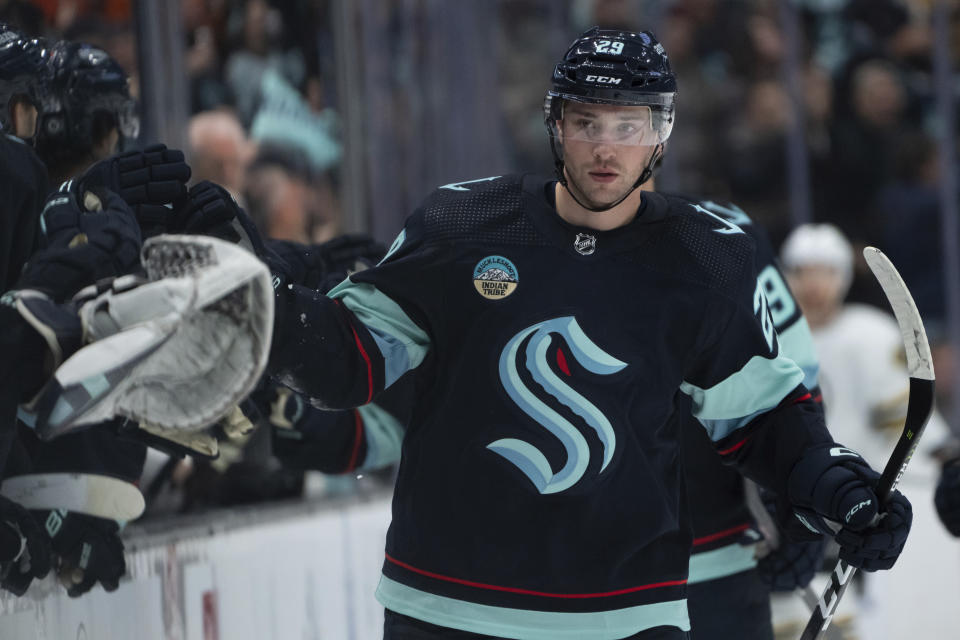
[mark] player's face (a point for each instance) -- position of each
(819, 289)
(605, 148)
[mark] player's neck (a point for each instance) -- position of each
(571, 211)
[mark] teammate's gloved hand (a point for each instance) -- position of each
(831, 490)
(947, 497)
(153, 182)
(350, 252)
(89, 550)
(24, 548)
(211, 210)
(791, 564)
(85, 236)
(323, 266)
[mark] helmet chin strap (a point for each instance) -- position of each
(562, 177)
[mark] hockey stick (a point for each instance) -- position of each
(920, 369)
(92, 494)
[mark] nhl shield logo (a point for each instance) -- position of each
(585, 244)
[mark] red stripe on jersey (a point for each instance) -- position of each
(492, 587)
(803, 398)
(366, 359)
(357, 435)
(734, 447)
(720, 534)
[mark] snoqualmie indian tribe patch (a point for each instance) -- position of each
(495, 277)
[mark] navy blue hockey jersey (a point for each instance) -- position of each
(718, 508)
(539, 493)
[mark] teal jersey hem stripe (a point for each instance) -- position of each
(525, 624)
(796, 342)
(759, 386)
(384, 436)
(402, 343)
(722, 562)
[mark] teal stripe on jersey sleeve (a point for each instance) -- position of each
(796, 342)
(384, 434)
(722, 562)
(530, 625)
(402, 343)
(758, 387)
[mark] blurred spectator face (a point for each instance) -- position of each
(819, 289)
(260, 24)
(768, 42)
(678, 35)
(605, 148)
(615, 14)
(768, 108)
(278, 204)
(818, 94)
(878, 95)
(219, 149)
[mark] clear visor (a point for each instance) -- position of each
(128, 120)
(611, 123)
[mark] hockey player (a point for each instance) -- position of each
(865, 387)
(550, 326)
(729, 590)
(22, 80)
(81, 114)
(112, 241)
(24, 181)
(86, 110)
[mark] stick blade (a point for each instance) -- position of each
(919, 360)
(91, 494)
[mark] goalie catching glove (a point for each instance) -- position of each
(832, 491)
(174, 353)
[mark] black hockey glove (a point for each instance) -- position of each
(211, 210)
(24, 548)
(791, 565)
(302, 436)
(947, 497)
(348, 254)
(831, 490)
(85, 236)
(153, 182)
(57, 333)
(89, 550)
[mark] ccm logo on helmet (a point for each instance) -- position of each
(603, 79)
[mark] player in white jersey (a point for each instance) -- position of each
(864, 382)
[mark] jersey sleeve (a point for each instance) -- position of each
(343, 348)
(362, 439)
(794, 335)
(741, 371)
(747, 393)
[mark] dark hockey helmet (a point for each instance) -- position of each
(22, 71)
(608, 66)
(87, 93)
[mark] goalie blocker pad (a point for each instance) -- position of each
(174, 354)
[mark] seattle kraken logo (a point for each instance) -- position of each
(525, 456)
